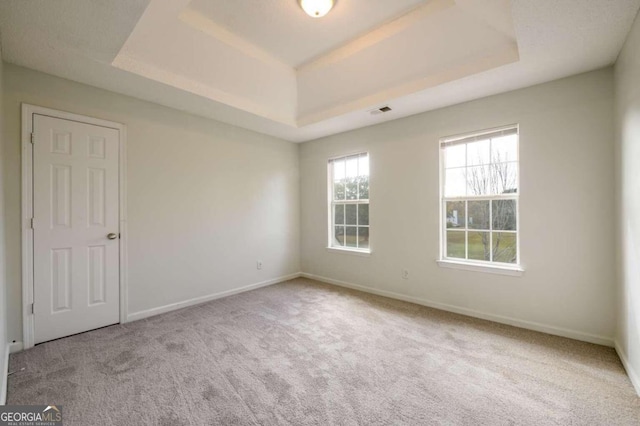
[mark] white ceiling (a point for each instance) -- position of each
(279, 72)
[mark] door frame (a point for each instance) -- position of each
(28, 111)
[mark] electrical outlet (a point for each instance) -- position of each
(405, 274)
(259, 264)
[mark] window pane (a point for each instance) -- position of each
(352, 167)
(338, 236)
(363, 165)
(504, 149)
(478, 153)
(455, 183)
(351, 188)
(338, 191)
(363, 214)
(504, 215)
(351, 214)
(504, 177)
(480, 224)
(479, 246)
(364, 187)
(455, 156)
(338, 170)
(455, 244)
(350, 181)
(455, 214)
(479, 180)
(351, 237)
(505, 248)
(478, 214)
(338, 215)
(363, 237)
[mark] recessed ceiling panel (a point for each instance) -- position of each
(281, 27)
(224, 57)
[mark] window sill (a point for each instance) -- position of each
(514, 271)
(354, 252)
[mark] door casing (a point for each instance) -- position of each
(28, 324)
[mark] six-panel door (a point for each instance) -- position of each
(75, 202)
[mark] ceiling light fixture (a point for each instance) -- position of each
(316, 8)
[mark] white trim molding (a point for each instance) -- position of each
(28, 325)
(529, 325)
(203, 299)
(492, 268)
(362, 253)
(634, 377)
(4, 380)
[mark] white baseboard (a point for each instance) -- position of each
(633, 375)
(11, 348)
(198, 300)
(5, 376)
(15, 347)
(529, 325)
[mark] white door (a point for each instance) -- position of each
(75, 227)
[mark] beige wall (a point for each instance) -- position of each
(627, 119)
(205, 199)
(566, 209)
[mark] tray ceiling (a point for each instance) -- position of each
(244, 53)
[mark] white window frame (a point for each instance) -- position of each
(331, 203)
(471, 264)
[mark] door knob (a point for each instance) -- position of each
(112, 236)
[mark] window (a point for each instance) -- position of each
(349, 202)
(479, 174)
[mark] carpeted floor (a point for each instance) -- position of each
(302, 352)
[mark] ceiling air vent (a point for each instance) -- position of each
(381, 110)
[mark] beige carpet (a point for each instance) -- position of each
(302, 352)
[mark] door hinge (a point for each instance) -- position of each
(31, 223)
(33, 137)
(32, 311)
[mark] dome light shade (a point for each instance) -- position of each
(316, 8)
